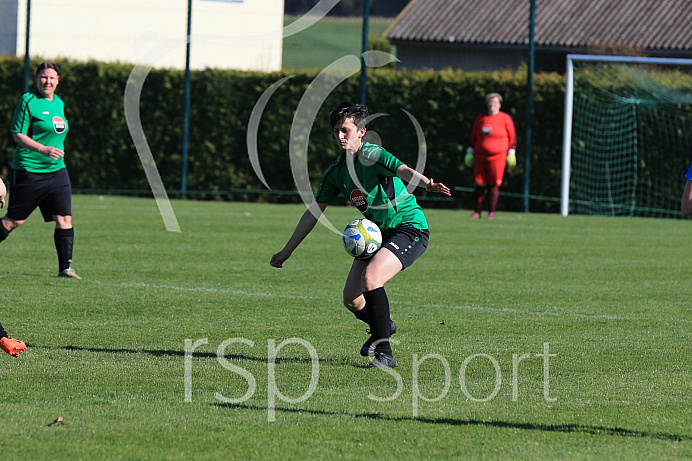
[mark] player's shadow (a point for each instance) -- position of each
(566, 428)
(174, 353)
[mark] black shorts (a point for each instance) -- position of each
(51, 192)
(406, 242)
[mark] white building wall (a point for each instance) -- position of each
(227, 34)
(8, 27)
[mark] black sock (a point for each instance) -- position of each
(3, 232)
(3, 333)
(480, 196)
(378, 308)
(363, 315)
(64, 239)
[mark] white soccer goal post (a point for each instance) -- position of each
(627, 135)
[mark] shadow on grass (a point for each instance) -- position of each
(172, 353)
(566, 428)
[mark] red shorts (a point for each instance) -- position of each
(489, 170)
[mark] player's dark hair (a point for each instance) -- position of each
(358, 112)
(47, 65)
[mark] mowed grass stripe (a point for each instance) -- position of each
(398, 302)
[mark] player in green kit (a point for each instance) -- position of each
(371, 178)
(39, 177)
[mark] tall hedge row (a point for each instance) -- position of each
(101, 156)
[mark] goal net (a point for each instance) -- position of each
(627, 135)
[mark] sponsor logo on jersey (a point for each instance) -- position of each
(487, 130)
(59, 125)
(359, 201)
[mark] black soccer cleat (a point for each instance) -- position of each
(382, 360)
(368, 349)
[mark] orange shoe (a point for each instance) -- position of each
(491, 215)
(12, 346)
(475, 215)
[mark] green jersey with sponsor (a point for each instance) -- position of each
(368, 178)
(44, 121)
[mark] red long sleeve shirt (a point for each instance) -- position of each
(493, 134)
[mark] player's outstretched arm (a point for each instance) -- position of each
(410, 175)
(686, 203)
(305, 225)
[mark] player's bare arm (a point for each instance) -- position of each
(303, 228)
(28, 143)
(410, 175)
(686, 204)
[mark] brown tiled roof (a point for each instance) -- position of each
(644, 24)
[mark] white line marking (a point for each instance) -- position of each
(442, 306)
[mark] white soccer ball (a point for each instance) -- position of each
(362, 238)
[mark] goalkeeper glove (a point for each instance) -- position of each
(468, 160)
(512, 158)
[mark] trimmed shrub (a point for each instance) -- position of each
(101, 155)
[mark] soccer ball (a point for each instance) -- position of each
(362, 238)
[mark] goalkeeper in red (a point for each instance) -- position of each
(493, 146)
(371, 178)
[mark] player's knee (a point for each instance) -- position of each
(353, 298)
(370, 280)
(11, 224)
(63, 222)
(347, 301)
(352, 303)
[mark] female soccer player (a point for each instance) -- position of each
(39, 177)
(380, 195)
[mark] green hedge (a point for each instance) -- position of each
(101, 155)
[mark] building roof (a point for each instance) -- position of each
(640, 24)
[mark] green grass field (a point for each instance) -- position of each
(530, 337)
(327, 40)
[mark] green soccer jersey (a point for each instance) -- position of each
(373, 188)
(44, 121)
